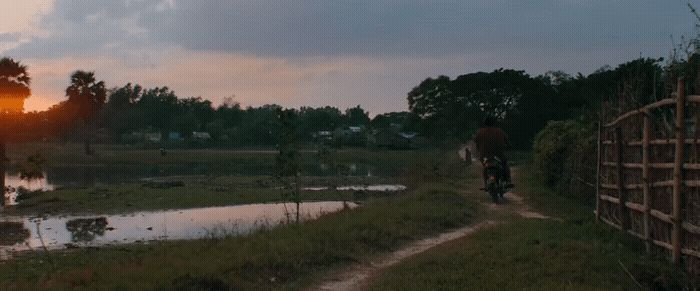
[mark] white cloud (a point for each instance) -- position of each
(20, 20)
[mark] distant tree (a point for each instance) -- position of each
(455, 108)
(356, 116)
(88, 96)
(159, 107)
(14, 82)
(121, 114)
(312, 120)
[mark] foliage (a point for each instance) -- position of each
(14, 79)
(564, 155)
(86, 94)
(455, 108)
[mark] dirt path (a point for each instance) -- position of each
(358, 276)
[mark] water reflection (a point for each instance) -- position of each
(370, 188)
(12, 232)
(86, 229)
(62, 232)
(90, 176)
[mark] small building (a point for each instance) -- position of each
(324, 137)
(350, 135)
(153, 137)
(392, 139)
(200, 135)
(174, 136)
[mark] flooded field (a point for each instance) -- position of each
(89, 176)
(25, 233)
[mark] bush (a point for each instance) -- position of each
(564, 154)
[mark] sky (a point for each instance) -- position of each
(317, 52)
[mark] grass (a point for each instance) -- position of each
(288, 257)
(72, 154)
(218, 187)
(192, 193)
(572, 254)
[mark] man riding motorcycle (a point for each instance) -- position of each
(491, 142)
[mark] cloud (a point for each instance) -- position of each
(319, 52)
(360, 27)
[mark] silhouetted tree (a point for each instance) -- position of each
(88, 96)
(14, 84)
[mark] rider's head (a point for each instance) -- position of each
(489, 121)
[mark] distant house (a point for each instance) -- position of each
(200, 135)
(393, 139)
(323, 137)
(350, 135)
(174, 136)
(153, 137)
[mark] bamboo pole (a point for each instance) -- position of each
(624, 213)
(676, 234)
(646, 135)
(598, 172)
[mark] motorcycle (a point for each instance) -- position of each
(496, 184)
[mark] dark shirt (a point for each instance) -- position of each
(491, 142)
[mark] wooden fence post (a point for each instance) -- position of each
(676, 235)
(646, 136)
(624, 211)
(598, 172)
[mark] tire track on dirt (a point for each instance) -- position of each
(358, 276)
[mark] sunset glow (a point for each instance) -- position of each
(293, 63)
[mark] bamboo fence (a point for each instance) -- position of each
(648, 180)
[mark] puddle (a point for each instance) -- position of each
(375, 188)
(89, 231)
(90, 176)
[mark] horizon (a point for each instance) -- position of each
(324, 54)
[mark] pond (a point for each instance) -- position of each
(25, 233)
(90, 176)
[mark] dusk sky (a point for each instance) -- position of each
(323, 52)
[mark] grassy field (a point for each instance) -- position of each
(72, 154)
(572, 253)
(184, 192)
(288, 257)
(216, 188)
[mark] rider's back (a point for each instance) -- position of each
(491, 142)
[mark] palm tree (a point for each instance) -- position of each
(88, 97)
(14, 88)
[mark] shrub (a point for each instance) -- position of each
(564, 154)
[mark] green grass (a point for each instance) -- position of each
(72, 154)
(572, 254)
(216, 188)
(195, 192)
(291, 256)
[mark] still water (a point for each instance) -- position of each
(90, 176)
(25, 233)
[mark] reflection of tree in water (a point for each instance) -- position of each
(12, 233)
(86, 229)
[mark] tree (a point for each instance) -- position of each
(87, 96)
(14, 84)
(356, 116)
(455, 108)
(121, 113)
